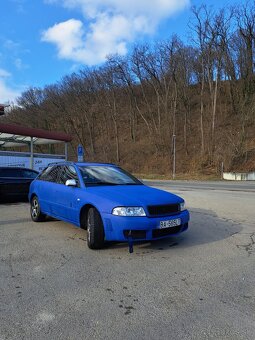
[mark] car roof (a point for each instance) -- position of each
(95, 164)
(16, 168)
(83, 164)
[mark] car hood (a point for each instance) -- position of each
(132, 195)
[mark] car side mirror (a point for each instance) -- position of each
(71, 183)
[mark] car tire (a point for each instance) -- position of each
(35, 210)
(95, 229)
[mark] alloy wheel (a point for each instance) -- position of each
(89, 228)
(35, 208)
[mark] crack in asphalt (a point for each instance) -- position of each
(224, 219)
(249, 246)
(63, 263)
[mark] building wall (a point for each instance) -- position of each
(22, 159)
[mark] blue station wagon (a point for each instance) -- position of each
(107, 201)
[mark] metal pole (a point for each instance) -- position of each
(32, 153)
(66, 151)
(174, 156)
(222, 170)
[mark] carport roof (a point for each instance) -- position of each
(15, 135)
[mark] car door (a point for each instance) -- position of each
(46, 188)
(66, 196)
(8, 181)
(11, 182)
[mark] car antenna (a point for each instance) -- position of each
(130, 243)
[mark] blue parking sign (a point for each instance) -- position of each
(80, 153)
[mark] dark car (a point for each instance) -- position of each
(15, 182)
(109, 202)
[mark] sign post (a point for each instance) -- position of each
(80, 153)
(174, 155)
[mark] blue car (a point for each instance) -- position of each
(107, 201)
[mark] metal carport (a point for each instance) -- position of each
(12, 135)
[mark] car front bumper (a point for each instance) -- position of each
(119, 228)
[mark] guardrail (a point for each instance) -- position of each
(239, 176)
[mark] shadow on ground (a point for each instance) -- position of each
(205, 227)
(13, 200)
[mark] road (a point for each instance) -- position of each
(247, 186)
(199, 285)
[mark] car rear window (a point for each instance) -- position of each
(28, 173)
(50, 174)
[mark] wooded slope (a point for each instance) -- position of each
(128, 110)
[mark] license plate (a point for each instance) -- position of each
(170, 223)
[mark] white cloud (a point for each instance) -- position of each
(67, 36)
(105, 36)
(111, 26)
(7, 93)
(19, 64)
(4, 73)
(20, 6)
(11, 45)
(157, 9)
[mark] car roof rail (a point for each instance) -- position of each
(102, 163)
(57, 163)
(73, 163)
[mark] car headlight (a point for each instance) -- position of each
(128, 211)
(182, 206)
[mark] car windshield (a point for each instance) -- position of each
(106, 175)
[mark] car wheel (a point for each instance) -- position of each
(35, 210)
(95, 229)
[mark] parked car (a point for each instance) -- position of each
(15, 182)
(106, 200)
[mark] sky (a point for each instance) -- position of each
(41, 41)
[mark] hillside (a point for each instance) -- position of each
(151, 153)
(128, 110)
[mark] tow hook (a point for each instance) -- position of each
(130, 242)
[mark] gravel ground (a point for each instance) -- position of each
(199, 285)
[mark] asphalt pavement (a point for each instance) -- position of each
(199, 285)
(205, 185)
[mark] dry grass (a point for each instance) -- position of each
(184, 176)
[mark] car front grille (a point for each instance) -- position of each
(166, 231)
(167, 209)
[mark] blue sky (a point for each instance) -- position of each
(43, 40)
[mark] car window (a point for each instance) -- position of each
(50, 174)
(106, 175)
(28, 173)
(44, 173)
(10, 172)
(67, 172)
